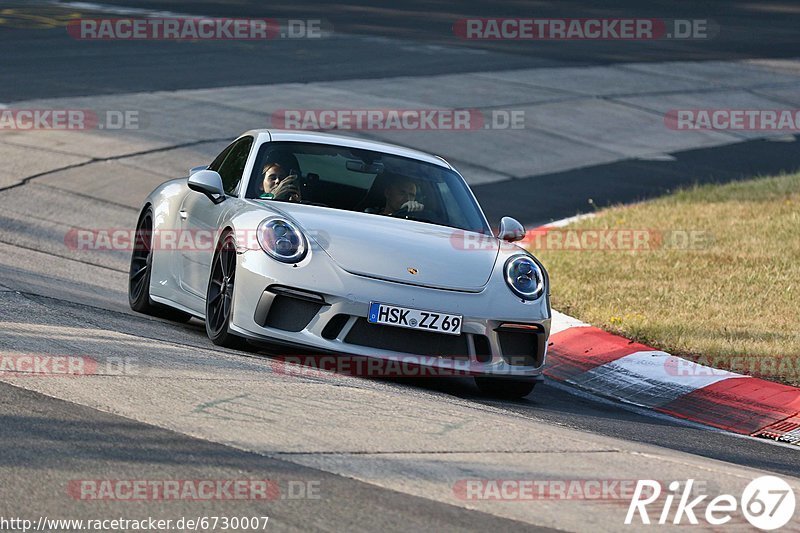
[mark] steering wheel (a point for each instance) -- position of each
(402, 212)
(423, 215)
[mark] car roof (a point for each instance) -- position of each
(350, 142)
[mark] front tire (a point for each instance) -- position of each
(140, 271)
(219, 296)
(141, 263)
(506, 389)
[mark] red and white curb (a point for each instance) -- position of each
(614, 367)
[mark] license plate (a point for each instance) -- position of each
(405, 317)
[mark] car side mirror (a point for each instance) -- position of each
(510, 230)
(197, 169)
(209, 183)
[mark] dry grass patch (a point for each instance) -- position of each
(732, 299)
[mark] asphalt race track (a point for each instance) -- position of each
(359, 454)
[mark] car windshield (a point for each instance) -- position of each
(364, 181)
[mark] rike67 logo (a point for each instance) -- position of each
(767, 502)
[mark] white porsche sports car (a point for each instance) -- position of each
(344, 246)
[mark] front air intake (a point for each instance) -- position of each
(522, 344)
(287, 309)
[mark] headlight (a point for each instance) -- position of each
(281, 240)
(524, 277)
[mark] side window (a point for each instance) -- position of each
(230, 163)
(220, 158)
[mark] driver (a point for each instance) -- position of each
(401, 194)
(278, 185)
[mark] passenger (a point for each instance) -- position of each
(400, 195)
(278, 185)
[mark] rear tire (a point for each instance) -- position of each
(219, 296)
(140, 270)
(506, 389)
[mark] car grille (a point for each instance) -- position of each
(407, 340)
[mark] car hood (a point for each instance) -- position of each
(398, 250)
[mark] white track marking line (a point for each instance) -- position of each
(569, 220)
(562, 322)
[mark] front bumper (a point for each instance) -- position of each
(319, 307)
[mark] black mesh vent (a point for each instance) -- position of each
(334, 326)
(522, 347)
(291, 314)
(483, 351)
(407, 340)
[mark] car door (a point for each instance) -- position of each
(200, 219)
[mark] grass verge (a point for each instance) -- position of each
(710, 273)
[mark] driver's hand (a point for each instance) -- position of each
(288, 189)
(412, 206)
